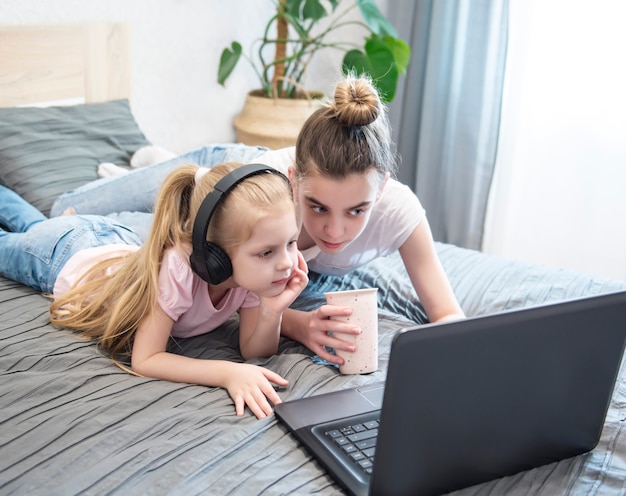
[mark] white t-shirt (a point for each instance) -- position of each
(394, 217)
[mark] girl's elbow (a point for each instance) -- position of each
(139, 366)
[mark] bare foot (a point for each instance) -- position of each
(69, 211)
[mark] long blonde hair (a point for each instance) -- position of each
(110, 300)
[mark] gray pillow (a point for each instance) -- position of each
(45, 152)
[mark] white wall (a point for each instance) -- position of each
(176, 45)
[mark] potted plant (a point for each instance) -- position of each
(297, 30)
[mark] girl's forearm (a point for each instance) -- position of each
(178, 368)
(294, 321)
(263, 342)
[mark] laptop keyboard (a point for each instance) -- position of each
(357, 441)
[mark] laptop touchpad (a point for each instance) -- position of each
(373, 393)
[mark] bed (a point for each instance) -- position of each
(71, 422)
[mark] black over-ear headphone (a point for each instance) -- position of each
(207, 259)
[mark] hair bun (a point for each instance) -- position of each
(356, 102)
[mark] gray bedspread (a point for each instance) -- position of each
(71, 422)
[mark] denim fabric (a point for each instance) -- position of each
(33, 249)
(138, 222)
(137, 190)
(16, 214)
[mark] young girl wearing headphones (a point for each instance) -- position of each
(354, 212)
(224, 240)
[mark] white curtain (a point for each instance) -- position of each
(559, 191)
(446, 114)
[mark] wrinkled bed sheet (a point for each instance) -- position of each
(71, 422)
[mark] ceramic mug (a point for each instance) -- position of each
(364, 304)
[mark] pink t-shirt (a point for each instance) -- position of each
(82, 261)
(185, 297)
(182, 295)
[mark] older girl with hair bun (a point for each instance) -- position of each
(353, 211)
(132, 298)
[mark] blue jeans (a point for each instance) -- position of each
(131, 196)
(33, 248)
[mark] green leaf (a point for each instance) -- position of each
(401, 52)
(228, 61)
(356, 61)
(378, 62)
(292, 7)
(314, 10)
(308, 9)
(375, 20)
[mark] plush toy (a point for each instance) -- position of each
(146, 155)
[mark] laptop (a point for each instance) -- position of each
(469, 401)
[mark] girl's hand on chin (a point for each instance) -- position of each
(299, 279)
(251, 385)
(296, 284)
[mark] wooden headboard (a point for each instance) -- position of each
(41, 63)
